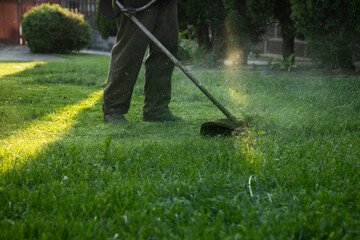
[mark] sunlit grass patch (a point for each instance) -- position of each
(12, 68)
(39, 88)
(27, 142)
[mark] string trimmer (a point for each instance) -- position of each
(222, 126)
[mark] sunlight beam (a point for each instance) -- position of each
(13, 68)
(25, 143)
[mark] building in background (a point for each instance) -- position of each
(11, 15)
(273, 41)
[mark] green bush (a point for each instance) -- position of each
(332, 29)
(105, 26)
(189, 51)
(52, 29)
(283, 64)
(187, 45)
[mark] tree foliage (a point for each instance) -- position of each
(332, 29)
(208, 22)
(221, 25)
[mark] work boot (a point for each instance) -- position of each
(160, 117)
(115, 118)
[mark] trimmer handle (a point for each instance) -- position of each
(107, 10)
(132, 11)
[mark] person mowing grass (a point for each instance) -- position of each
(127, 56)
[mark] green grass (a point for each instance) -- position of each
(65, 174)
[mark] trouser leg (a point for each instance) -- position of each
(158, 67)
(126, 59)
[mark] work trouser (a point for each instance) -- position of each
(127, 56)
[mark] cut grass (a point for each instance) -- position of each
(293, 175)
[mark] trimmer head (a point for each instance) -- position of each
(223, 127)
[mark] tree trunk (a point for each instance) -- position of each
(282, 12)
(288, 46)
(202, 36)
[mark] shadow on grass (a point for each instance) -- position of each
(35, 113)
(29, 141)
(32, 90)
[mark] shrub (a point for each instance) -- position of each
(187, 45)
(189, 51)
(283, 64)
(52, 29)
(105, 26)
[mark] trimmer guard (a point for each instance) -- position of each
(223, 127)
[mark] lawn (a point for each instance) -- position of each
(65, 174)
